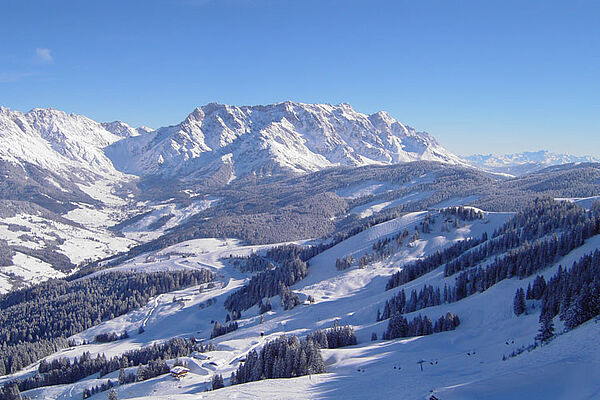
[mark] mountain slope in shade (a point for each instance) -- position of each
(522, 163)
(279, 138)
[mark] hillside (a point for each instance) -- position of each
(467, 363)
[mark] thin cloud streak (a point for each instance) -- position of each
(44, 55)
(10, 77)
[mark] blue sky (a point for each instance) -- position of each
(481, 76)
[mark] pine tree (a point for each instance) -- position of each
(112, 395)
(519, 306)
(575, 313)
(539, 286)
(217, 382)
(10, 392)
(546, 331)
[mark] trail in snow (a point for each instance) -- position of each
(156, 303)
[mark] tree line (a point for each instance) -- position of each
(521, 262)
(268, 284)
(110, 337)
(64, 370)
(220, 329)
(284, 357)
(399, 326)
(332, 338)
(543, 217)
(418, 268)
(428, 296)
(574, 294)
(36, 321)
(11, 391)
(464, 213)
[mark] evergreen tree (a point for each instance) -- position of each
(10, 392)
(399, 326)
(217, 382)
(538, 288)
(284, 357)
(112, 395)
(121, 376)
(519, 306)
(574, 295)
(546, 331)
(219, 329)
(332, 338)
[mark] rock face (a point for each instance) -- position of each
(280, 138)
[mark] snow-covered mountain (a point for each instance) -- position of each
(76, 177)
(59, 193)
(120, 128)
(522, 163)
(56, 141)
(234, 141)
(278, 138)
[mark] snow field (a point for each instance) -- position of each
(462, 364)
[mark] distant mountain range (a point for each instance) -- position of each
(274, 139)
(522, 163)
(225, 142)
(56, 159)
(216, 140)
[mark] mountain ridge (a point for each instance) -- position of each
(270, 139)
(218, 139)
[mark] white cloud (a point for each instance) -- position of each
(44, 56)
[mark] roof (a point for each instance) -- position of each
(178, 369)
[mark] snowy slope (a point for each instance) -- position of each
(122, 129)
(79, 243)
(232, 142)
(56, 160)
(462, 364)
(284, 137)
(352, 296)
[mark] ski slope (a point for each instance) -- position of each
(462, 364)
